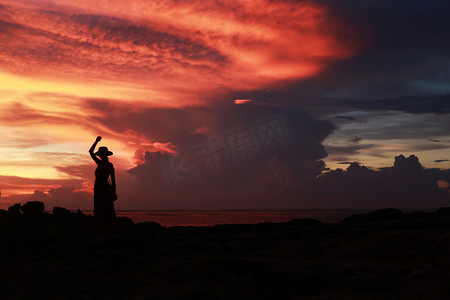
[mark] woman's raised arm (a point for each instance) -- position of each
(92, 149)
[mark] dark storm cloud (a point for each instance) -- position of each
(192, 126)
(405, 184)
(318, 105)
(288, 171)
(355, 140)
(406, 41)
(441, 160)
(345, 118)
(243, 140)
(404, 63)
(406, 176)
(349, 149)
(439, 104)
(413, 131)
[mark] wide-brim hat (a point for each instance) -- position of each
(103, 151)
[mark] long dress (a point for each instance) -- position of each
(104, 213)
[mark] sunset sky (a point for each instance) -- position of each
(226, 104)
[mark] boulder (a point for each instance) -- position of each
(150, 226)
(33, 208)
(14, 210)
(123, 222)
(375, 216)
(61, 212)
(443, 211)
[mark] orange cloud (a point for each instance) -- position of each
(173, 49)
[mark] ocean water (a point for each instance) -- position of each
(211, 218)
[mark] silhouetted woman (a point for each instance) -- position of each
(104, 189)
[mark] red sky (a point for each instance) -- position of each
(147, 76)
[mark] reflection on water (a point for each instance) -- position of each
(184, 218)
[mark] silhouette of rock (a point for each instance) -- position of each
(149, 226)
(377, 215)
(14, 210)
(124, 223)
(33, 208)
(385, 213)
(61, 212)
(445, 211)
(384, 254)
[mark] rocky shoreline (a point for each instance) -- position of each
(386, 254)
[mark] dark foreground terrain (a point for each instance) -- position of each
(382, 255)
